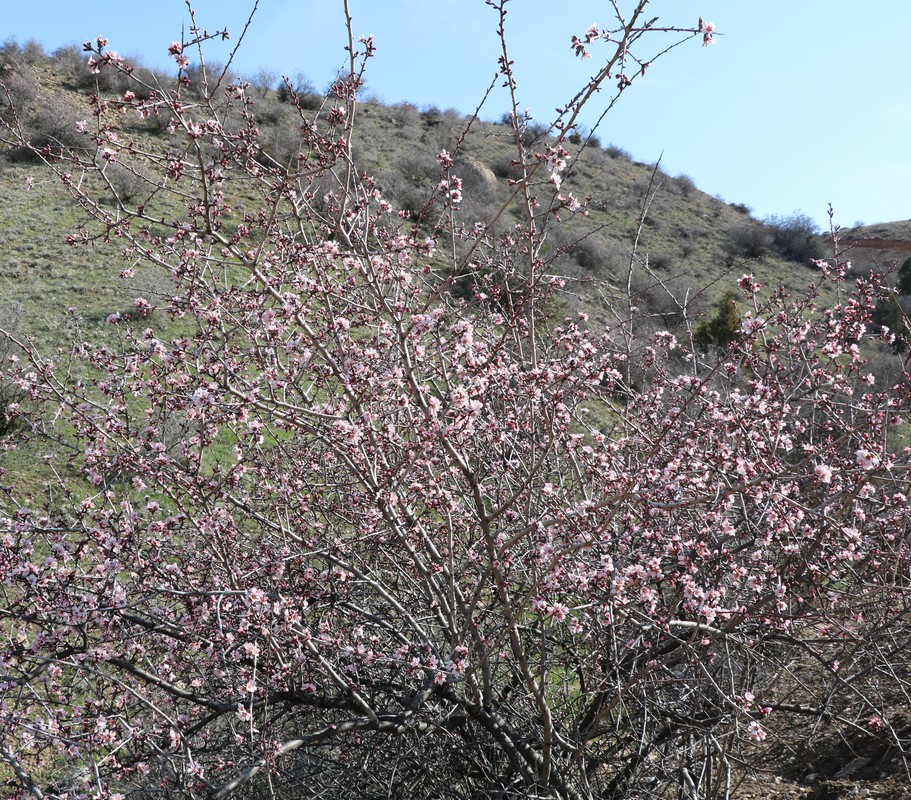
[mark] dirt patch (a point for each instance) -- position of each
(879, 244)
(833, 762)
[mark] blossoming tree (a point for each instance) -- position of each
(344, 534)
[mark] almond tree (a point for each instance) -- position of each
(340, 533)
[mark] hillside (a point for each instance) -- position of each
(649, 246)
(689, 247)
(878, 247)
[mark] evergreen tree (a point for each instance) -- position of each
(904, 277)
(888, 312)
(723, 327)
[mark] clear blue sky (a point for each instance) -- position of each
(801, 102)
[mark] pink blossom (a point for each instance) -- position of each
(749, 284)
(751, 324)
(866, 458)
(555, 158)
(578, 46)
(756, 732)
(823, 473)
(707, 29)
(572, 204)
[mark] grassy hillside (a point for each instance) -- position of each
(685, 247)
(650, 246)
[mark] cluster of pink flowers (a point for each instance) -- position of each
(344, 487)
(707, 29)
(756, 732)
(578, 45)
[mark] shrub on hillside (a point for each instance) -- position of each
(592, 253)
(665, 305)
(203, 79)
(796, 237)
(126, 184)
(505, 166)
(479, 182)
(405, 115)
(264, 81)
(33, 51)
(11, 55)
(615, 151)
(582, 135)
(749, 240)
(72, 62)
(419, 168)
(301, 91)
(534, 132)
(685, 185)
(18, 91)
(51, 128)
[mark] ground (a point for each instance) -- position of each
(833, 764)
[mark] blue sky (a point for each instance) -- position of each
(801, 102)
